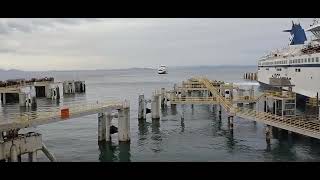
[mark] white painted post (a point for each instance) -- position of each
(124, 124)
(101, 127)
(32, 156)
(13, 154)
(108, 124)
(155, 109)
(142, 107)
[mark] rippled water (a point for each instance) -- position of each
(200, 137)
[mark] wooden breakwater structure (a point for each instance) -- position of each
(14, 144)
(278, 109)
(250, 76)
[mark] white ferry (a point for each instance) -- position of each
(299, 62)
(162, 70)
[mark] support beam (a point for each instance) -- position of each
(32, 156)
(101, 126)
(49, 155)
(124, 124)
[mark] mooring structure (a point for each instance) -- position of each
(14, 144)
(278, 106)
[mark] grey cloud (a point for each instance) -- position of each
(145, 42)
(23, 27)
(3, 28)
(28, 25)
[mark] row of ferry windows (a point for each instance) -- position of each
(305, 60)
(279, 69)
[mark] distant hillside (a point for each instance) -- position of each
(12, 74)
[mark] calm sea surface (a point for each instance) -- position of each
(200, 137)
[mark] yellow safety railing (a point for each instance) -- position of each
(312, 102)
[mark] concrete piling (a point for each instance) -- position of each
(268, 134)
(108, 125)
(13, 153)
(141, 108)
(230, 122)
(22, 99)
(124, 124)
(163, 90)
(3, 98)
(101, 126)
(155, 109)
(32, 156)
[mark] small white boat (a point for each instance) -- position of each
(162, 70)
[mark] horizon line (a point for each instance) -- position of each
(179, 66)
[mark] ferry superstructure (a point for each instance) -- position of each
(299, 62)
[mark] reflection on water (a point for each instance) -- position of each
(110, 152)
(155, 128)
(182, 125)
(143, 127)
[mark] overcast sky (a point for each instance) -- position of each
(64, 44)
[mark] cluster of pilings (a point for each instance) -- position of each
(105, 129)
(250, 76)
(158, 101)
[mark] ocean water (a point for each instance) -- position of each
(201, 136)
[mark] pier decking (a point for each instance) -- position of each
(13, 144)
(211, 92)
